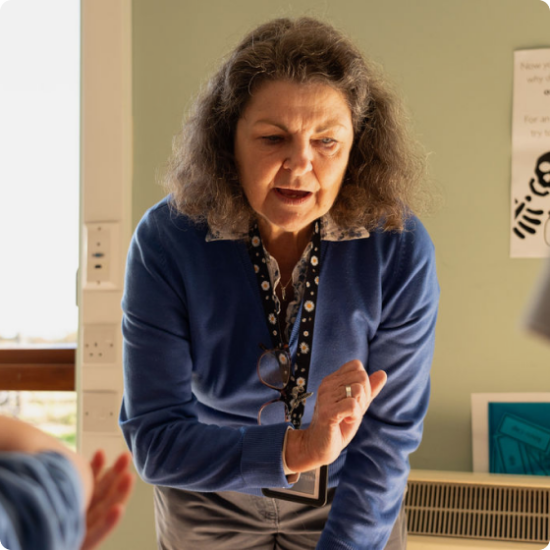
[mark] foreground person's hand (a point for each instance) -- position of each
(111, 491)
(336, 418)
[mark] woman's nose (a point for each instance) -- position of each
(299, 160)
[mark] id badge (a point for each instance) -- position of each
(310, 489)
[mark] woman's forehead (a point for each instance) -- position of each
(281, 103)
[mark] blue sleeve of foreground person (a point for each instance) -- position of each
(41, 500)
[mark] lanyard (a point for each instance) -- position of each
(297, 386)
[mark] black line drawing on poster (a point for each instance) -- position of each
(530, 216)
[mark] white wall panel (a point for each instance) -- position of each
(106, 184)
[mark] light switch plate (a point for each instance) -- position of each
(100, 411)
(102, 256)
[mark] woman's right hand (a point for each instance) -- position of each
(336, 418)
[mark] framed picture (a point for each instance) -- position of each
(511, 433)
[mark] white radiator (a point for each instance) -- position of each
(443, 543)
(459, 510)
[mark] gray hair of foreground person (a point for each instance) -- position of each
(382, 184)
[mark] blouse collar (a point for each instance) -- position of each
(329, 232)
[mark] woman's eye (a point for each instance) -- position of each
(272, 139)
(327, 142)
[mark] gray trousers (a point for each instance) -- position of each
(237, 521)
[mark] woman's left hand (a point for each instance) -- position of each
(112, 490)
(336, 417)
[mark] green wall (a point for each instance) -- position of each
(452, 62)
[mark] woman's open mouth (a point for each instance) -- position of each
(292, 196)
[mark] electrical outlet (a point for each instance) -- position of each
(102, 255)
(100, 344)
(100, 411)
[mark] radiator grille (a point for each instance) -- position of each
(478, 511)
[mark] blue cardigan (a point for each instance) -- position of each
(193, 323)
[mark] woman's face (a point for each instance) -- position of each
(292, 147)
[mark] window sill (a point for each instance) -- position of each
(44, 369)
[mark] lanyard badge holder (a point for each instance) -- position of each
(311, 488)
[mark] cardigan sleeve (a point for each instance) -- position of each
(159, 420)
(373, 479)
(41, 502)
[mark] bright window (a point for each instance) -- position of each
(39, 172)
(52, 412)
(39, 201)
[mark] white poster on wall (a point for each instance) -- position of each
(530, 223)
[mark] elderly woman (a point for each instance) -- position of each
(268, 299)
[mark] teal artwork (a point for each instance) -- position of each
(519, 438)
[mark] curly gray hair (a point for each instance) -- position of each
(385, 165)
